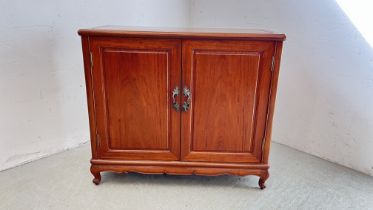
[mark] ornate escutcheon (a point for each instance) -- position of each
(188, 95)
(175, 93)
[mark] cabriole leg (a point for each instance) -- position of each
(263, 179)
(97, 176)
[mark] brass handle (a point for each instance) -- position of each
(175, 93)
(188, 95)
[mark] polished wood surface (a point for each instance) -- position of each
(130, 78)
(133, 80)
(174, 170)
(230, 82)
(179, 163)
(90, 97)
(188, 33)
(272, 100)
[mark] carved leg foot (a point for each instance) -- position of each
(96, 174)
(263, 179)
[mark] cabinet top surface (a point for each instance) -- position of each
(182, 32)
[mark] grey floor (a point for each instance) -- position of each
(298, 181)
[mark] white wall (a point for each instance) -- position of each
(42, 101)
(325, 96)
(325, 91)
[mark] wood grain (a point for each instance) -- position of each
(137, 98)
(90, 97)
(183, 33)
(133, 80)
(272, 101)
(230, 82)
(178, 163)
(129, 83)
(173, 170)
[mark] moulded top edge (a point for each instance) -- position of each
(182, 32)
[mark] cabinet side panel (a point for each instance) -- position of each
(90, 96)
(272, 100)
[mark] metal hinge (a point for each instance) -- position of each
(91, 57)
(273, 63)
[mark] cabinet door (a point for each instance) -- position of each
(229, 83)
(133, 81)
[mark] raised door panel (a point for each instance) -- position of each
(229, 83)
(133, 81)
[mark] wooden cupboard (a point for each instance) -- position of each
(181, 101)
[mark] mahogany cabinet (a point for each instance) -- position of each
(181, 101)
